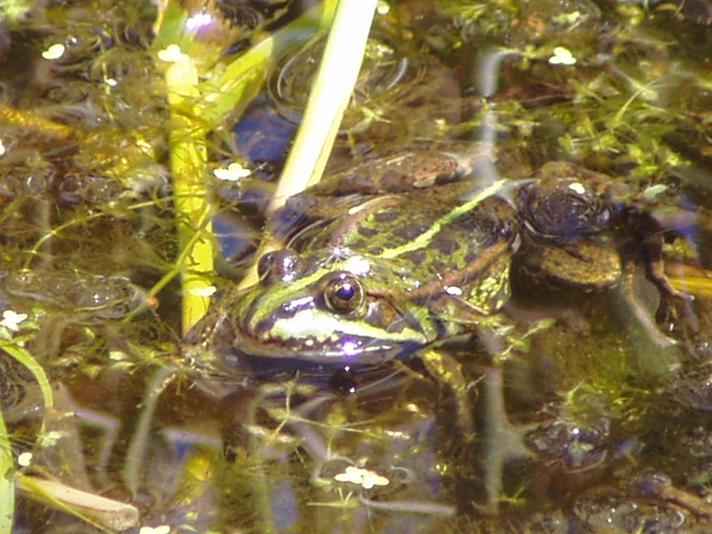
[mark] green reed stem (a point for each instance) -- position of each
(330, 94)
(329, 97)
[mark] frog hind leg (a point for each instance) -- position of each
(669, 295)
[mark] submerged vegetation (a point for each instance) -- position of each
(139, 149)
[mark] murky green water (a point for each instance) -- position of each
(598, 423)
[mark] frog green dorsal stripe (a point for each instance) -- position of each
(424, 239)
(266, 309)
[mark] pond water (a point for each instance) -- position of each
(580, 400)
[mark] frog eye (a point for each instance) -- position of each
(344, 293)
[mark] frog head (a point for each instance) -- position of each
(336, 308)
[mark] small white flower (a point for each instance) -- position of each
(232, 173)
(578, 188)
(24, 459)
(383, 7)
(111, 82)
(11, 320)
(562, 56)
(55, 51)
(361, 477)
(198, 21)
(50, 439)
(454, 291)
(172, 54)
(2, 148)
(653, 191)
(117, 355)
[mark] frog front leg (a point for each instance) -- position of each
(447, 371)
(500, 440)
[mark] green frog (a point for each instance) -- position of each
(404, 251)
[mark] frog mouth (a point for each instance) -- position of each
(316, 363)
(338, 349)
(312, 334)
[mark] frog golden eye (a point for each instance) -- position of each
(344, 293)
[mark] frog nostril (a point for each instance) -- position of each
(284, 265)
(264, 266)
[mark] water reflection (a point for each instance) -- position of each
(598, 421)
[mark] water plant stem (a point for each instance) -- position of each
(7, 486)
(7, 464)
(330, 95)
(32, 122)
(25, 358)
(134, 468)
(328, 99)
(243, 76)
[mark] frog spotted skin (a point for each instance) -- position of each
(385, 279)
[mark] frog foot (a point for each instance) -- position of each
(673, 302)
(639, 310)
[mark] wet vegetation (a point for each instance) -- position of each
(131, 133)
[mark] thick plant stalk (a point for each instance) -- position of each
(188, 160)
(199, 104)
(188, 157)
(329, 97)
(105, 514)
